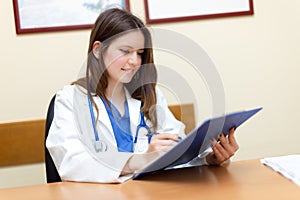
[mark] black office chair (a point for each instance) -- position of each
(51, 171)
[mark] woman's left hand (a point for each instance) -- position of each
(223, 150)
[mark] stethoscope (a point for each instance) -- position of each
(140, 143)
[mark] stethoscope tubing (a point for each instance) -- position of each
(141, 124)
(93, 119)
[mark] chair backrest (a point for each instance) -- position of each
(186, 114)
(51, 171)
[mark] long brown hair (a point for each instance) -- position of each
(110, 25)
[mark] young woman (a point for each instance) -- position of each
(106, 124)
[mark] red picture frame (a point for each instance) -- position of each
(156, 11)
(22, 28)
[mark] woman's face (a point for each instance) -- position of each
(123, 57)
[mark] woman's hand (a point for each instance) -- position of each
(159, 145)
(223, 150)
(162, 142)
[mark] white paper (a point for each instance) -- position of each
(288, 166)
(177, 8)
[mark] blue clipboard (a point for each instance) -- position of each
(197, 141)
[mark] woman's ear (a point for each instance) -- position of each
(96, 49)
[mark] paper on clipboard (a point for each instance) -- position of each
(197, 141)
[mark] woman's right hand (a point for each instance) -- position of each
(159, 145)
(162, 142)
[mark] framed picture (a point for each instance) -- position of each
(33, 16)
(159, 11)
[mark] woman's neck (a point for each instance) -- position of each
(115, 93)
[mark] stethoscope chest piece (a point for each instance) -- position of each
(141, 142)
(100, 146)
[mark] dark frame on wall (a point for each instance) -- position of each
(161, 11)
(47, 17)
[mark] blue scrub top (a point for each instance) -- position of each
(121, 126)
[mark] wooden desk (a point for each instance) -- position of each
(241, 180)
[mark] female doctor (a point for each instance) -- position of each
(106, 124)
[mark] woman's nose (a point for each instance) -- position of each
(134, 59)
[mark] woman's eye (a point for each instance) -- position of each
(124, 51)
(140, 52)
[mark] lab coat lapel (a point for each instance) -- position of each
(134, 107)
(103, 116)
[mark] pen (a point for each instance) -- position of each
(152, 133)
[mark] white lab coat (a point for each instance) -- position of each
(71, 136)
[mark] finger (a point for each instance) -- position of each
(230, 150)
(226, 153)
(213, 142)
(163, 145)
(166, 143)
(162, 141)
(231, 139)
(167, 136)
(223, 140)
(219, 153)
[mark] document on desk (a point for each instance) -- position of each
(197, 141)
(288, 166)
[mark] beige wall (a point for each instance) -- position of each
(257, 57)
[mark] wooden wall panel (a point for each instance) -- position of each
(23, 142)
